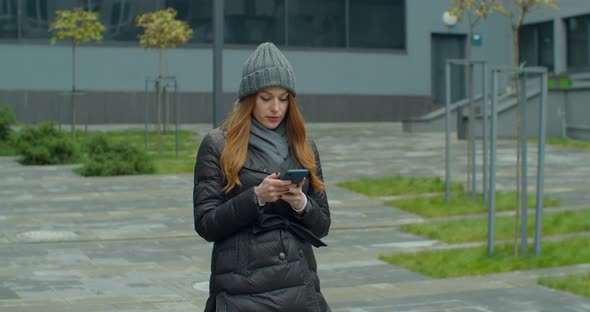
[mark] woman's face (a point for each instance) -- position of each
(271, 106)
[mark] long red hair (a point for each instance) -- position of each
(237, 127)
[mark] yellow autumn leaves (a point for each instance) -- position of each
(77, 25)
(161, 28)
(483, 8)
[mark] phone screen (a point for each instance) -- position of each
(295, 175)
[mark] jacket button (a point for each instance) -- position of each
(282, 256)
(301, 252)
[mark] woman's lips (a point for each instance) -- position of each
(273, 118)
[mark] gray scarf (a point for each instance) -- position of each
(267, 146)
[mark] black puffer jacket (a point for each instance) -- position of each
(262, 258)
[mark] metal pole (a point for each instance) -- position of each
(485, 133)
(523, 169)
(460, 125)
(59, 114)
(164, 107)
(492, 189)
(286, 22)
(347, 22)
(176, 113)
(448, 133)
(541, 163)
(87, 117)
(217, 62)
(156, 87)
(19, 21)
(472, 135)
(146, 114)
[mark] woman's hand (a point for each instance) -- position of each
(295, 196)
(271, 189)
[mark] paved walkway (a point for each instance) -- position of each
(69, 243)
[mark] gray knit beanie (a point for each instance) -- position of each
(266, 67)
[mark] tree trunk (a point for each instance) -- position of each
(470, 103)
(517, 86)
(167, 94)
(159, 105)
(73, 95)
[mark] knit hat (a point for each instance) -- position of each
(266, 67)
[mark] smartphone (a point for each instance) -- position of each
(295, 175)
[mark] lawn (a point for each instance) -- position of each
(475, 230)
(569, 143)
(7, 147)
(576, 284)
(167, 162)
(460, 204)
(476, 261)
(397, 185)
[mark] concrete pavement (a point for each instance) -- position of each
(69, 243)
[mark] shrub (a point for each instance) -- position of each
(43, 144)
(106, 158)
(7, 119)
(7, 147)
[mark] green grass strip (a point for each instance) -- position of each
(170, 164)
(576, 284)
(460, 204)
(397, 185)
(476, 261)
(475, 230)
(566, 142)
(187, 139)
(167, 162)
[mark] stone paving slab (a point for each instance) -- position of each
(69, 243)
(530, 299)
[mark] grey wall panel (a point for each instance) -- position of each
(507, 119)
(430, 125)
(196, 107)
(578, 113)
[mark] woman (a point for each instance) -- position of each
(262, 227)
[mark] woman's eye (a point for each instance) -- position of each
(264, 99)
(284, 100)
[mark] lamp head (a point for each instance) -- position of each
(449, 19)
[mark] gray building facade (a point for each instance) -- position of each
(354, 60)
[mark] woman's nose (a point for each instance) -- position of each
(274, 106)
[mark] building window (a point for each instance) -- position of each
(378, 24)
(198, 15)
(317, 24)
(536, 45)
(35, 18)
(37, 14)
(118, 17)
(578, 41)
(254, 21)
(340, 24)
(8, 19)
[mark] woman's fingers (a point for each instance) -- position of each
(272, 189)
